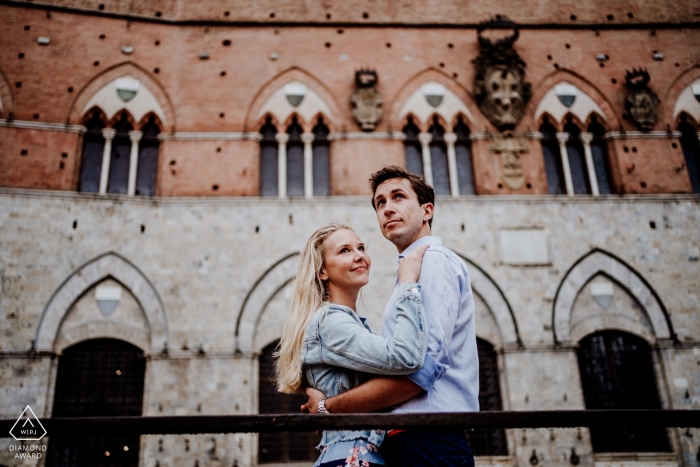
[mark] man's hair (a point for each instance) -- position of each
(424, 191)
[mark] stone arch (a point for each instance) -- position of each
(157, 93)
(270, 99)
(410, 99)
(495, 299)
(600, 262)
(107, 265)
(272, 281)
(679, 97)
(546, 86)
(7, 98)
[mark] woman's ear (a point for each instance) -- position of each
(322, 275)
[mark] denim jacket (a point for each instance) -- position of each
(340, 351)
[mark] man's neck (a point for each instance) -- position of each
(423, 232)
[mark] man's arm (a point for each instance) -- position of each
(377, 393)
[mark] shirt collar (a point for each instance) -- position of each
(421, 241)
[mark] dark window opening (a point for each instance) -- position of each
(438, 159)
(281, 447)
(148, 159)
(93, 150)
(295, 160)
(691, 151)
(552, 159)
(98, 378)
(321, 160)
(463, 154)
(577, 159)
(414, 157)
(268, 159)
(617, 372)
(121, 153)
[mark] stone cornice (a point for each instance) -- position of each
(27, 125)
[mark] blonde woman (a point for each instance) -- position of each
(326, 345)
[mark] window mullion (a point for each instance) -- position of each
(308, 139)
(586, 139)
(108, 134)
(450, 140)
(425, 139)
(282, 139)
(563, 138)
(135, 137)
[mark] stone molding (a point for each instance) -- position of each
(102, 329)
(599, 262)
(366, 136)
(83, 278)
(27, 125)
(212, 136)
(642, 135)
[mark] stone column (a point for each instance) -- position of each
(282, 139)
(450, 140)
(308, 139)
(425, 139)
(563, 138)
(586, 139)
(108, 134)
(135, 137)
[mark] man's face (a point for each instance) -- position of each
(399, 214)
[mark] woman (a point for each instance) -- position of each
(327, 346)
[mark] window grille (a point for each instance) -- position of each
(463, 153)
(617, 373)
(93, 149)
(414, 158)
(321, 160)
(488, 442)
(148, 159)
(552, 159)
(438, 158)
(268, 159)
(577, 159)
(295, 160)
(100, 377)
(600, 157)
(691, 151)
(281, 447)
(120, 158)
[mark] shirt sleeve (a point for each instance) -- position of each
(346, 343)
(430, 372)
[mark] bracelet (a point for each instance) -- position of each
(322, 406)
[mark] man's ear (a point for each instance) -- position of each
(428, 209)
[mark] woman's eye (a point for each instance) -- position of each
(361, 248)
(344, 250)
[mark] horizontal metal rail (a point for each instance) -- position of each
(178, 425)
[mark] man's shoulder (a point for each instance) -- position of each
(441, 254)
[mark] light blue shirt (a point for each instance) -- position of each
(449, 311)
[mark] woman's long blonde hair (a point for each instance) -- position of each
(308, 293)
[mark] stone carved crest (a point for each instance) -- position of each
(510, 146)
(366, 100)
(641, 102)
(499, 83)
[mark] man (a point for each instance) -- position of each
(404, 206)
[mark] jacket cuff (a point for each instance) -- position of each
(411, 288)
(430, 372)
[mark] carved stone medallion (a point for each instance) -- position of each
(641, 101)
(510, 146)
(366, 100)
(499, 84)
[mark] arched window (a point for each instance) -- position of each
(617, 373)
(438, 159)
(414, 158)
(691, 151)
(321, 160)
(577, 158)
(120, 158)
(488, 442)
(552, 158)
(463, 154)
(93, 149)
(268, 159)
(147, 166)
(295, 160)
(280, 447)
(600, 156)
(98, 378)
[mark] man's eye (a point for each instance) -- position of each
(399, 196)
(380, 203)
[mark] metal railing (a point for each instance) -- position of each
(178, 425)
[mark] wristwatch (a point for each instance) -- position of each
(322, 406)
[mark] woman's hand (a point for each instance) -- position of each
(409, 265)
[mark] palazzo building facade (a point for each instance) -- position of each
(162, 164)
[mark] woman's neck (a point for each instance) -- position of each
(343, 297)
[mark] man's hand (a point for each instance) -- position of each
(311, 405)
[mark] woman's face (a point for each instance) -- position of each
(346, 265)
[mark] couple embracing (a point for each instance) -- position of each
(426, 357)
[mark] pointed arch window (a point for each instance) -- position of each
(617, 372)
(438, 159)
(321, 159)
(280, 447)
(552, 158)
(118, 180)
(147, 166)
(412, 147)
(268, 159)
(93, 149)
(690, 143)
(98, 378)
(295, 160)
(577, 159)
(463, 156)
(599, 155)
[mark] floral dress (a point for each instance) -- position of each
(351, 453)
